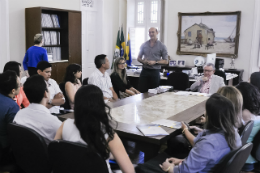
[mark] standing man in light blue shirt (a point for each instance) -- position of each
(152, 55)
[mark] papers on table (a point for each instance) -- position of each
(160, 89)
(152, 130)
(168, 123)
(186, 93)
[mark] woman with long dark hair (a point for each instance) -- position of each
(121, 84)
(251, 101)
(92, 127)
(72, 82)
(212, 144)
(251, 110)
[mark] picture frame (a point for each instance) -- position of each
(209, 32)
(172, 63)
(181, 63)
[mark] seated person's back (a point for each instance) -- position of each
(9, 88)
(44, 69)
(211, 145)
(102, 79)
(208, 83)
(72, 82)
(92, 127)
(36, 116)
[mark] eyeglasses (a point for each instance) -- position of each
(208, 71)
(121, 63)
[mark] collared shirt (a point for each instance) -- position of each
(208, 150)
(155, 53)
(206, 85)
(54, 89)
(39, 118)
(8, 110)
(103, 81)
(21, 99)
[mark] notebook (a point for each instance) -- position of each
(151, 130)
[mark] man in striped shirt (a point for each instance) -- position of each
(102, 79)
(208, 83)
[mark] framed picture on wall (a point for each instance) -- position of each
(181, 63)
(172, 63)
(209, 32)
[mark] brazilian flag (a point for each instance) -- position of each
(117, 49)
(122, 49)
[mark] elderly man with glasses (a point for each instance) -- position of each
(208, 83)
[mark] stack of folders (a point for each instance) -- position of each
(152, 130)
(51, 37)
(54, 53)
(50, 21)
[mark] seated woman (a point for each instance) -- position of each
(251, 109)
(179, 147)
(120, 82)
(255, 79)
(92, 127)
(72, 82)
(21, 98)
(211, 145)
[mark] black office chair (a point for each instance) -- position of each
(68, 157)
(29, 148)
(179, 81)
(7, 167)
(221, 74)
(66, 105)
(85, 81)
(246, 132)
(235, 160)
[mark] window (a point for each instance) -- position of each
(147, 15)
(189, 34)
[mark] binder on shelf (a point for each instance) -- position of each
(54, 53)
(51, 37)
(50, 20)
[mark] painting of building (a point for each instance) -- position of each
(204, 33)
(199, 32)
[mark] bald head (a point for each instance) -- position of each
(153, 33)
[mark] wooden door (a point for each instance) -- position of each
(74, 31)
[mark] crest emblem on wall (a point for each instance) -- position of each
(87, 3)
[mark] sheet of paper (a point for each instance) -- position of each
(186, 93)
(152, 130)
(168, 123)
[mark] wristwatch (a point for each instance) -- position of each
(50, 101)
(156, 62)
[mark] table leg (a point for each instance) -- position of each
(136, 148)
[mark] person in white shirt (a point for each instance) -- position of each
(92, 127)
(102, 79)
(56, 95)
(36, 116)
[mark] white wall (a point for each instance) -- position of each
(4, 34)
(17, 21)
(114, 16)
(246, 29)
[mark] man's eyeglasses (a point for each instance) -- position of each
(208, 71)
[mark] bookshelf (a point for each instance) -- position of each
(61, 31)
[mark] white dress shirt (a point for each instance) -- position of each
(103, 81)
(39, 118)
(54, 89)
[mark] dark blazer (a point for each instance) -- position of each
(118, 83)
